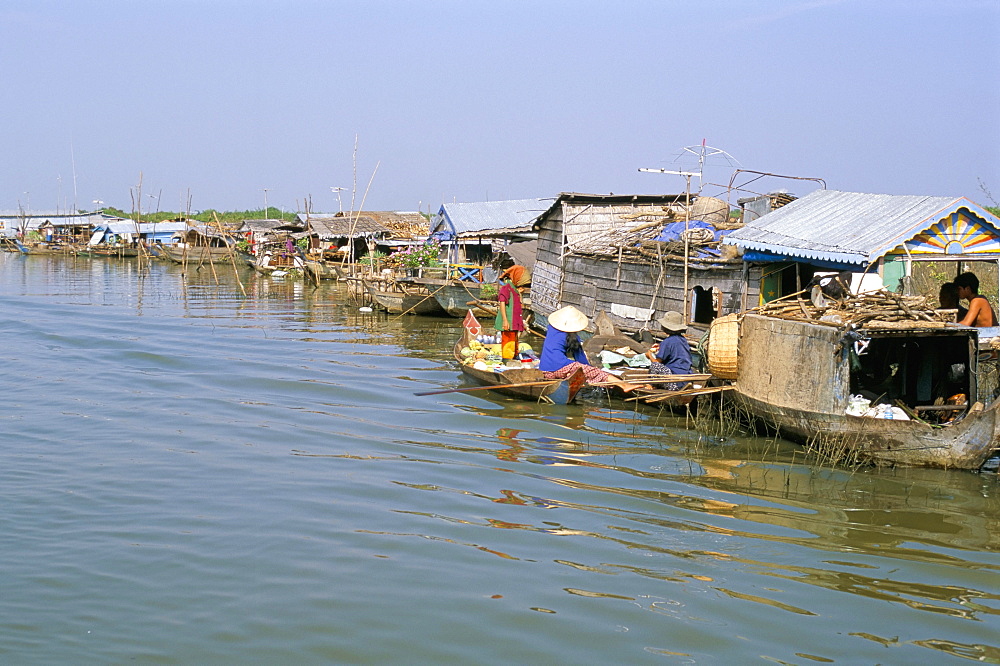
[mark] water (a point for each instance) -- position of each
(193, 475)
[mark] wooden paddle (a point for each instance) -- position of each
(660, 396)
(491, 386)
(652, 379)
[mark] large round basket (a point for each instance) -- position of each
(723, 340)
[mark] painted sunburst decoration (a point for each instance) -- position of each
(961, 232)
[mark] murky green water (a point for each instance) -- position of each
(191, 475)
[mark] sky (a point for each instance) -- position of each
(225, 104)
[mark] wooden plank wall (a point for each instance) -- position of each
(595, 284)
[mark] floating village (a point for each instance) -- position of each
(818, 317)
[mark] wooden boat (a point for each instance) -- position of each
(278, 264)
(202, 254)
(109, 251)
(798, 377)
(45, 247)
(457, 297)
(398, 297)
(523, 383)
(610, 338)
(321, 269)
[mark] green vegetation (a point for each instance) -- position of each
(372, 258)
(227, 218)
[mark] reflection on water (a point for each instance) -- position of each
(196, 464)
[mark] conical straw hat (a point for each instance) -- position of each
(568, 320)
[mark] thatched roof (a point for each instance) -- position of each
(396, 224)
(333, 226)
(262, 226)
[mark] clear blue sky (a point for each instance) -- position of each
(469, 100)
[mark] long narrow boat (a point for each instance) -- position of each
(523, 383)
(45, 247)
(203, 254)
(399, 298)
(321, 269)
(109, 251)
(456, 297)
(801, 378)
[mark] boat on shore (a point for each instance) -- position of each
(887, 390)
(525, 383)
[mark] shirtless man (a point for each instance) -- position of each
(980, 311)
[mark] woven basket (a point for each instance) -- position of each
(723, 339)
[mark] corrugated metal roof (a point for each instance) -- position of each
(849, 227)
(514, 215)
(128, 227)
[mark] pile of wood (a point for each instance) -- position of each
(876, 309)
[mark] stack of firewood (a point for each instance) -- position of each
(875, 308)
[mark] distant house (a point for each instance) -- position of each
(881, 238)
(202, 235)
(70, 227)
(259, 233)
(127, 232)
(357, 234)
(624, 255)
(474, 232)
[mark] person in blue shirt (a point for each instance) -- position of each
(562, 351)
(673, 355)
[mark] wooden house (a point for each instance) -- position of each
(357, 234)
(64, 226)
(635, 257)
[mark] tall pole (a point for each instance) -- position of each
(687, 219)
(687, 246)
(265, 203)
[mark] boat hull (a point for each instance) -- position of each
(400, 302)
(966, 444)
(508, 382)
(202, 255)
(321, 270)
(457, 297)
(795, 378)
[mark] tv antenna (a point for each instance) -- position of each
(698, 157)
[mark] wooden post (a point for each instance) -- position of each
(687, 221)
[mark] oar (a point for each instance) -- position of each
(491, 386)
(652, 379)
(660, 396)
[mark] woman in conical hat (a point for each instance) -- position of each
(673, 355)
(562, 351)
